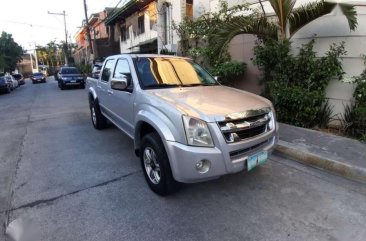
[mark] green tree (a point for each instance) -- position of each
(10, 52)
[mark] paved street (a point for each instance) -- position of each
(67, 181)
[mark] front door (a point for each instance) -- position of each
(121, 101)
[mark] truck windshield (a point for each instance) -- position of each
(163, 72)
(69, 71)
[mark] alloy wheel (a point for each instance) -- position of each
(152, 166)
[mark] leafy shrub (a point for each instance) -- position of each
(296, 84)
(229, 71)
(84, 69)
(167, 52)
(296, 105)
(324, 114)
(198, 38)
(354, 118)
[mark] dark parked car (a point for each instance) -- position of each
(5, 85)
(38, 78)
(70, 76)
(19, 78)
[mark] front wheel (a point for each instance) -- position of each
(155, 165)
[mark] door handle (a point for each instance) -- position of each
(110, 92)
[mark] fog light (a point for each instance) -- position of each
(203, 166)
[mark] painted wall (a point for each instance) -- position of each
(169, 12)
(333, 28)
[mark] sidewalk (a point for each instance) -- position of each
(343, 156)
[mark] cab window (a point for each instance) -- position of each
(107, 70)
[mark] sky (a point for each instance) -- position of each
(29, 22)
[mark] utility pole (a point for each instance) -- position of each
(66, 47)
(88, 29)
(35, 53)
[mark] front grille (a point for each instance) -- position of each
(248, 127)
(244, 134)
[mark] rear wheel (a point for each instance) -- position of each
(156, 166)
(98, 119)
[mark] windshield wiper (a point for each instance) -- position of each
(161, 85)
(199, 84)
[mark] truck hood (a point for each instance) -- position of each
(210, 103)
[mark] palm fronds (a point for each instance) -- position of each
(311, 11)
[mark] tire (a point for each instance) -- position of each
(82, 86)
(8, 90)
(62, 87)
(98, 119)
(155, 165)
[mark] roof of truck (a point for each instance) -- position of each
(149, 56)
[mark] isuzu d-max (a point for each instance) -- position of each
(186, 127)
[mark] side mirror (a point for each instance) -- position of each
(119, 84)
(217, 78)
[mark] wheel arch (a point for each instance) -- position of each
(147, 123)
(92, 95)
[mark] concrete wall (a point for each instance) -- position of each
(241, 49)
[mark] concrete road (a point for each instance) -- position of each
(60, 179)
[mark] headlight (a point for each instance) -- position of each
(272, 121)
(66, 78)
(197, 132)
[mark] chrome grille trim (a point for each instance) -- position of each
(253, 124)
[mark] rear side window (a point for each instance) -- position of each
(107, 70)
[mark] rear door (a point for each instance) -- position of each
(103, 84)
(121, 102)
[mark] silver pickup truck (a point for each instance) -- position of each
(186, 127)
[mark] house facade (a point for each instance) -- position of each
(146, 26)
(102, 41)
(27, 65)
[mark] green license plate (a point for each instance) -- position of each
(257, 159)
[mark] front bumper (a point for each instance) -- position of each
(38, 80)
(4, 86)
(73, 82)
(224, 158)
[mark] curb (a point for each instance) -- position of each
(345, 170)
